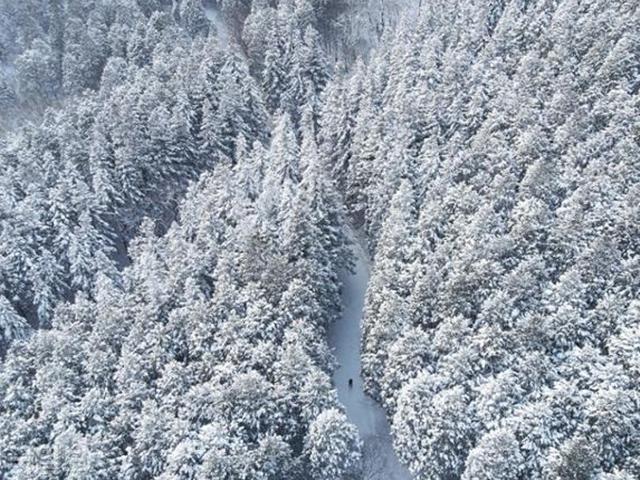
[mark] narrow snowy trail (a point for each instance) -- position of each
(380, 460)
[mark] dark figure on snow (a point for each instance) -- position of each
(351, 383)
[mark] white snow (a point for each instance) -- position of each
(7, 69)
(380, 460)
(215, 17)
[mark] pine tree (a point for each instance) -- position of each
(193, 18)
(330, 436)
(12, 325)
(88, 254)
(273, 74)
(46, 278)
(497, 456)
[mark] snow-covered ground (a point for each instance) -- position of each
(7, 69)
(380, 460)
(222, 30)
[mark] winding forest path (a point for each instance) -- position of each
(380, 460)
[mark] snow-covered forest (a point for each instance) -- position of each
(182, 294)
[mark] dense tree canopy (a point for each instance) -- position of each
(492, 150)
(199, 355)
(178, 180)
